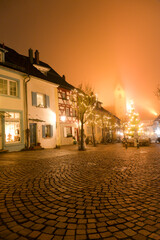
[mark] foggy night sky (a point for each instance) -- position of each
(98, 42)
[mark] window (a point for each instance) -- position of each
(3, 86)
(8, 87)
(89, 130)
(67, 112)
(67, 131)
(12, 127)
(98, 129)
(47, 131)
(73, 112)
(63, 95)
(99, 105)
(1, 56)
(40, 100)
(12, 88)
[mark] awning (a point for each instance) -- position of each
(4, 114)
(36, 120)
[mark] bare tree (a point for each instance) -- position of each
(85, 102)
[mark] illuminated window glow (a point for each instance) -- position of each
(40, 100)
(12, 128)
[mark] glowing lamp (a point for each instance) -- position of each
(63, 118)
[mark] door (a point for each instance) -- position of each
(33, 133)
(0, 132)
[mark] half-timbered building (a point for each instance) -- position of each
(67, 114)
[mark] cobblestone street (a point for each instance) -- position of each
(106, 192)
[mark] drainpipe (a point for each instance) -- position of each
(26, 80)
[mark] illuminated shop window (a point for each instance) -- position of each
(12, 127)
(8, 87)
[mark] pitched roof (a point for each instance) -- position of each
(22, 63)
(157, 119)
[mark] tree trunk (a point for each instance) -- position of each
(82, 137)
(94, 142)
(103, 135)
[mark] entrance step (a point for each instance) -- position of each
(37, 148)
(3, 151)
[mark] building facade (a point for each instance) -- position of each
(12, 112)
(36, 105)
(67, 114)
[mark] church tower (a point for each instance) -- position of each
(120, 101)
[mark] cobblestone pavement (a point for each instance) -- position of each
(106, 192)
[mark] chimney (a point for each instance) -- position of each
(37, 56)
(64, 77)
(30, 52)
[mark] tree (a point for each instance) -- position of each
(85, 102)
(92, 120)
(133, 124)
(104, 122)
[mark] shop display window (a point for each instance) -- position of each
(12, 127)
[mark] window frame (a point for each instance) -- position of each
(13, 120)
(46, 100)
(67, 114)
(49, 131)
(67, 135)
(63, 95)
(74, 111)
(8, 94)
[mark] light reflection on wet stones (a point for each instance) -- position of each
(106, 193)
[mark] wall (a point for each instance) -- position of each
(47, 115)
(12, 104)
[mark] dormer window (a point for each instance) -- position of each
(63, 95)
(1, 57)
(99, 105)
(2, 54)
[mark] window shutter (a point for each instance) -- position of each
(51, 130)
(73, 132)
(65, 132)
(47, 101)
(43, 131)
(34, 99)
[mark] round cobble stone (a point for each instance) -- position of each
(106, 192)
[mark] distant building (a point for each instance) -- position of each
(120, 101)
(106, 129)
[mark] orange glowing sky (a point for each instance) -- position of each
(100, 42)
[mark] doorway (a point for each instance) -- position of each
(33, 134)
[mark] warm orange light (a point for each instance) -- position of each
(153, 112)
(130, 104)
